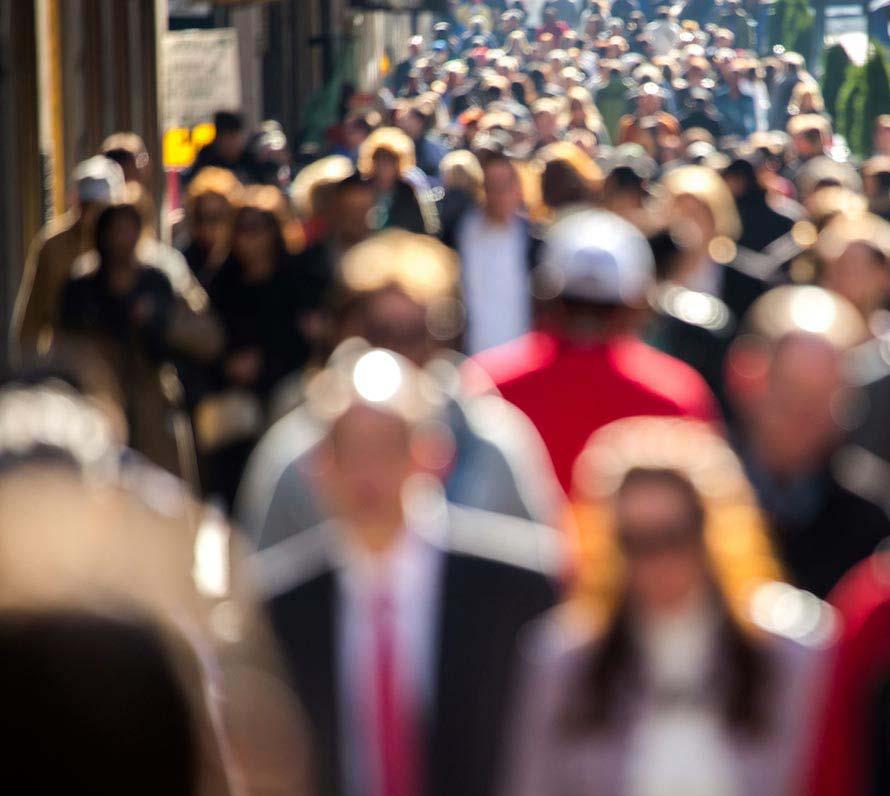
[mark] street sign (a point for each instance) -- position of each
(201, 74)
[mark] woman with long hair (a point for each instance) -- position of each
(263, 300)
(677, 691)
(387, 159)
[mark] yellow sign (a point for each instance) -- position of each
(181, 144)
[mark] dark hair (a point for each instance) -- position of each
(228, 122)
(105, 221)
(563, 185)
(92, 706)
(352, 182)
(743, 679)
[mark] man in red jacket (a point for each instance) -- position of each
(852, 755)
(587, 366)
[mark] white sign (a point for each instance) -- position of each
(201, 74)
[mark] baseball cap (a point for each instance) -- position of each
(596, 257)
(98, 179)
(631, 156)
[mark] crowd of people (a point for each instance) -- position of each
(551, 397)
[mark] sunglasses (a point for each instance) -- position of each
(637, 544)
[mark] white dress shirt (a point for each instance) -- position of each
(679, 747)
(410, 576)
(496, 281)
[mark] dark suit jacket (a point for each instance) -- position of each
(485, 602)
(741, 288)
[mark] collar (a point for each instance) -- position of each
(422, 538)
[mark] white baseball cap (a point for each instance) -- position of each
(597, 257)
(99, 179)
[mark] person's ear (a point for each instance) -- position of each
(434, 449)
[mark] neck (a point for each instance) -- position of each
(259, 269)
(119, 274)
(380, 535)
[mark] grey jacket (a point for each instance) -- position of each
(501, 466)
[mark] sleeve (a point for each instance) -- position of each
(31, 312)
(530, 765)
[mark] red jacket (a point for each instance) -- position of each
(569, 391)
(843, 761)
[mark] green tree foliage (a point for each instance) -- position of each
(836, 64)
(794, 26)
(863, 96)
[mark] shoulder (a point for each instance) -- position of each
(796, 627)
(288, 566)
(660, 373)
(505, 542)
(517, 361)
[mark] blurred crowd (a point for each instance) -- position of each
(532, 439)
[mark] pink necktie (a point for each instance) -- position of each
(396, 744)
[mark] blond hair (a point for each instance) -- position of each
(736, 537)
(707, 187)
(386, 139)
(460, 169)
(418, 265)
(215, 181)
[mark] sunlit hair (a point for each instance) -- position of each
(735, 535)
(593, 121)
(809, 122)
(213, 181)
(802, 309)
(272, 205)
(847, 229)
(307, 192)
(826, 203)
(568, 175)
(460, 169)
(806, 89)
(386, 139)
(418, 265)
(517, 44)
(706, 186)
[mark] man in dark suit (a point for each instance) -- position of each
(399, 618)
(793, 398)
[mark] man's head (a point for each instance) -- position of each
(413, 120)
(503, 193)
(129, 152)
(210, 204)
(231, 138)
(596, 271)
(97, 182)
(545, 113)
(382, 423)
(415, 46)
(349, 212)
(854, 251)
(649, 100)
(785, 376)
(402, 293)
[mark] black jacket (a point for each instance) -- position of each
(819, 544)
(485, 602)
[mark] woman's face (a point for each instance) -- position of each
(253, 238)
(386, 170)
(664, 558)
(210, 224)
